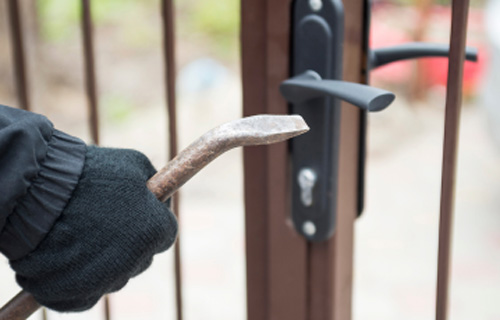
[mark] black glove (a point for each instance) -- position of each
(108, 232)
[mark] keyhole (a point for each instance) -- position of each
(307, 180)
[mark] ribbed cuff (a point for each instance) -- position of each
(46, 198)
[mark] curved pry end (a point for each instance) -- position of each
(256, 130)
(300, 125)
(268, 129)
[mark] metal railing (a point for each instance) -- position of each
(23, 305)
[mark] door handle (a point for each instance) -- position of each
(309, 85)
(380, 57)
(412, 50)
(314, 91)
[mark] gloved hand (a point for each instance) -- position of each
(108, 232)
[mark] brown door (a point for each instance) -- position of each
(288, 277)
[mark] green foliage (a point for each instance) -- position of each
(217, 17)
(60, 19)
(219, 20)
(116, 108)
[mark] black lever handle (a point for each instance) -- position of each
(381, 56)
(309, 85)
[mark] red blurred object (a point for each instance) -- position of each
(383, 34)
(437, 70)
(391, 25)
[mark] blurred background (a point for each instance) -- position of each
(396, 238)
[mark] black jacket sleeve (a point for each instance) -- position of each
(39, 169)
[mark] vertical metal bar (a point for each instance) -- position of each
(276, 255)
(20, 72)
(16, 35)
(450, 147)
(91, 91)
(286, 255)
(168, 32)
(253, 14)
(363, 115)
(89, 65)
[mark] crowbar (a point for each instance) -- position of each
(249, 131)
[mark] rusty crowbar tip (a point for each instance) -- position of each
(250, 131)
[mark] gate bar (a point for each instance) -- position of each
(451, 134)
(89, 65)
(168, 33)
(91, 91)
(276, 255)
(20, 72)
(16, 38)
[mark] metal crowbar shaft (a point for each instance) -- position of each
(250, 131)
